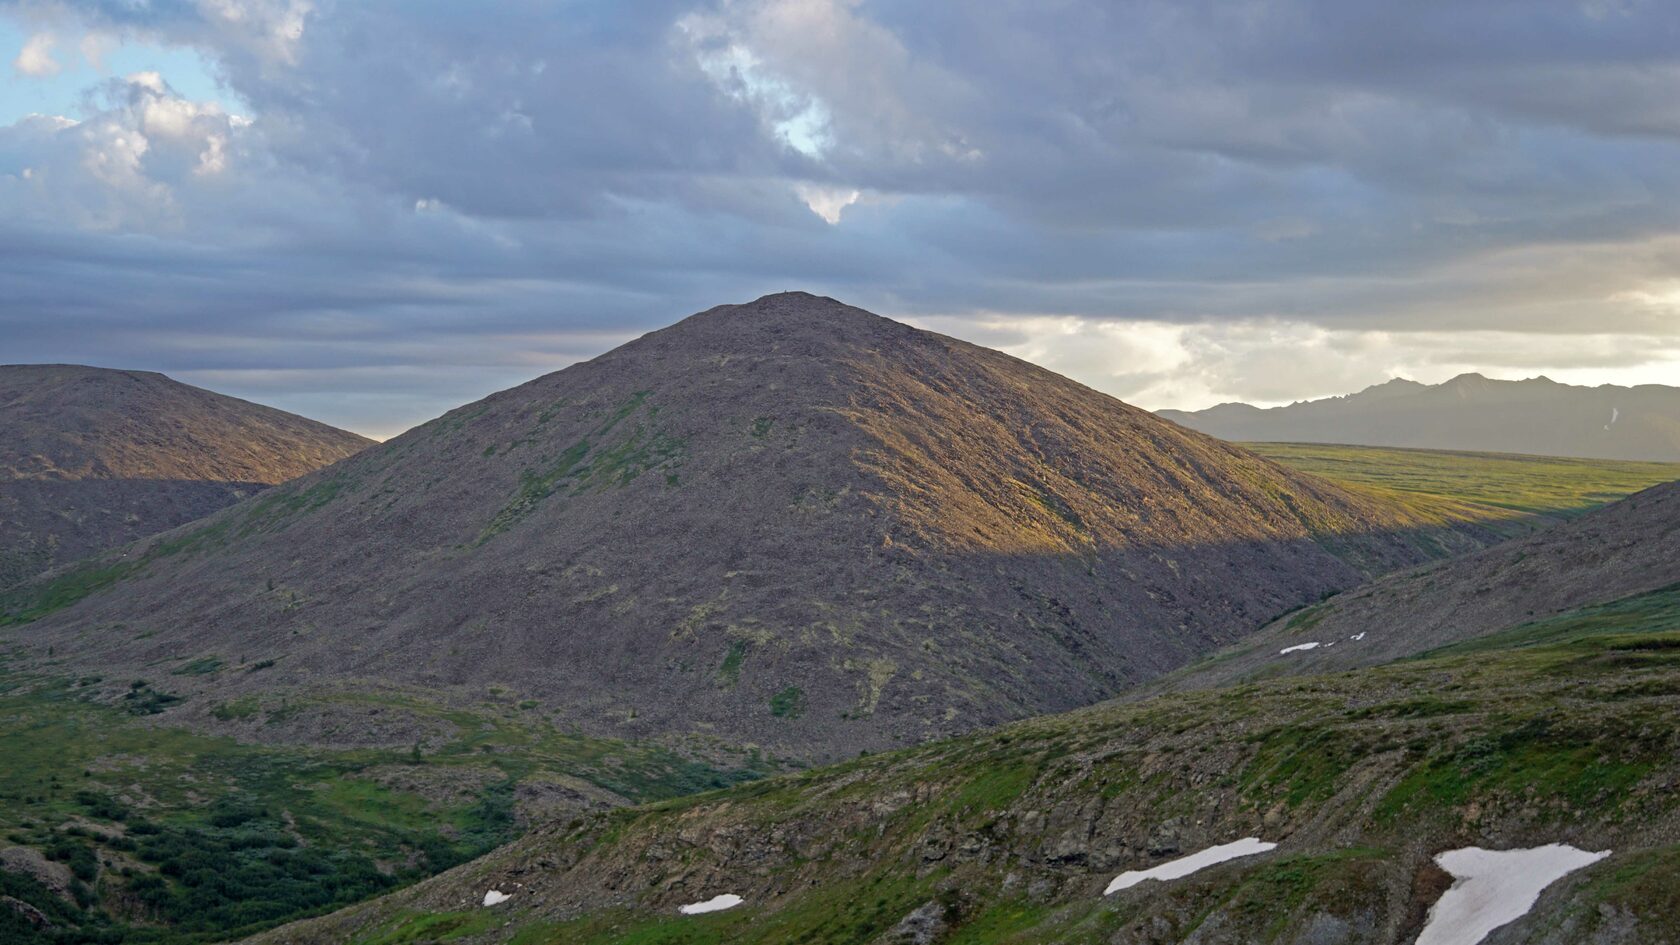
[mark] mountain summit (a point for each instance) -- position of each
(91, 458)
(790, 522)
(1469, 412)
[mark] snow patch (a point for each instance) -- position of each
(1298, 646)
(1358, 636)
(714, 904)
(1614, 413)
(1494, 887)
(1185, 865)
(496, 897)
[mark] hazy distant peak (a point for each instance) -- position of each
(1470, 412)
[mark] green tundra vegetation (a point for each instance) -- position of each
(1508, 490)
(1557, 730)
(164, 835)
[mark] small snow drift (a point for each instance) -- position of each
(1298, 646)
(496, 897)
(1184, 866)
(714, 904)
(1358, 636)
(1493, 887)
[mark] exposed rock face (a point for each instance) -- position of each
(791, 523)
(28, 861)
(92, 458)
(1469, 412)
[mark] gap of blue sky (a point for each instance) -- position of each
(65, 90)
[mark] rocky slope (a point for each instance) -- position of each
(1469, 412)
(92, 458)
(1012, 836)
(791, 523)
(1627, 547)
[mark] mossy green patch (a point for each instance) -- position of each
(788, 704)
(729, 673)
(203, 666)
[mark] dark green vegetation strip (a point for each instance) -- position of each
(601, 459)
(176, 837)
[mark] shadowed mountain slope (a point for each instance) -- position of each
(92, 458)
(1470, 412)
(1626, 548)
(790, 522)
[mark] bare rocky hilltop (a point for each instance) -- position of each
(1470, 412)
(790, 523)
(92, 458)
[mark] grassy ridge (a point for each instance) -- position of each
(1507, 489)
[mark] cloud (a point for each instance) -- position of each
(1267, 362)
(1155, 196)
(36, 58)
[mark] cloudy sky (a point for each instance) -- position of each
(370, 211)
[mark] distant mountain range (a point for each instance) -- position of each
(92, 458)
(1469, 412)
(790, 523)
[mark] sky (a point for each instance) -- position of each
(370, 212)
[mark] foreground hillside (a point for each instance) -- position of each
(1470, 412)
(1361, 778)
(92, 458)
(1628, 547)
(789, 523)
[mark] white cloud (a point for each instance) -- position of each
(94, 47)
(798, 118)
(36, 58)
(138, 165)
(272, 28)
(827, 202)
(1268, 362)
(1174, 211)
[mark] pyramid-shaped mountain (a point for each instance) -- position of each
(791, 523)
(92, 458)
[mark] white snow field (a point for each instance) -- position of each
(496, 897)
(1493, 887)
(1185, 865)
(1298, 646)
(714, 904)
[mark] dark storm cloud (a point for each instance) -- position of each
(435, 197)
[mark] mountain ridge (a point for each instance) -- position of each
(1536, 416)
(91, 458)
(791, 523)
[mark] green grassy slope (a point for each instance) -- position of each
(162, 835)
(1565, 734)
(1507, 488)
